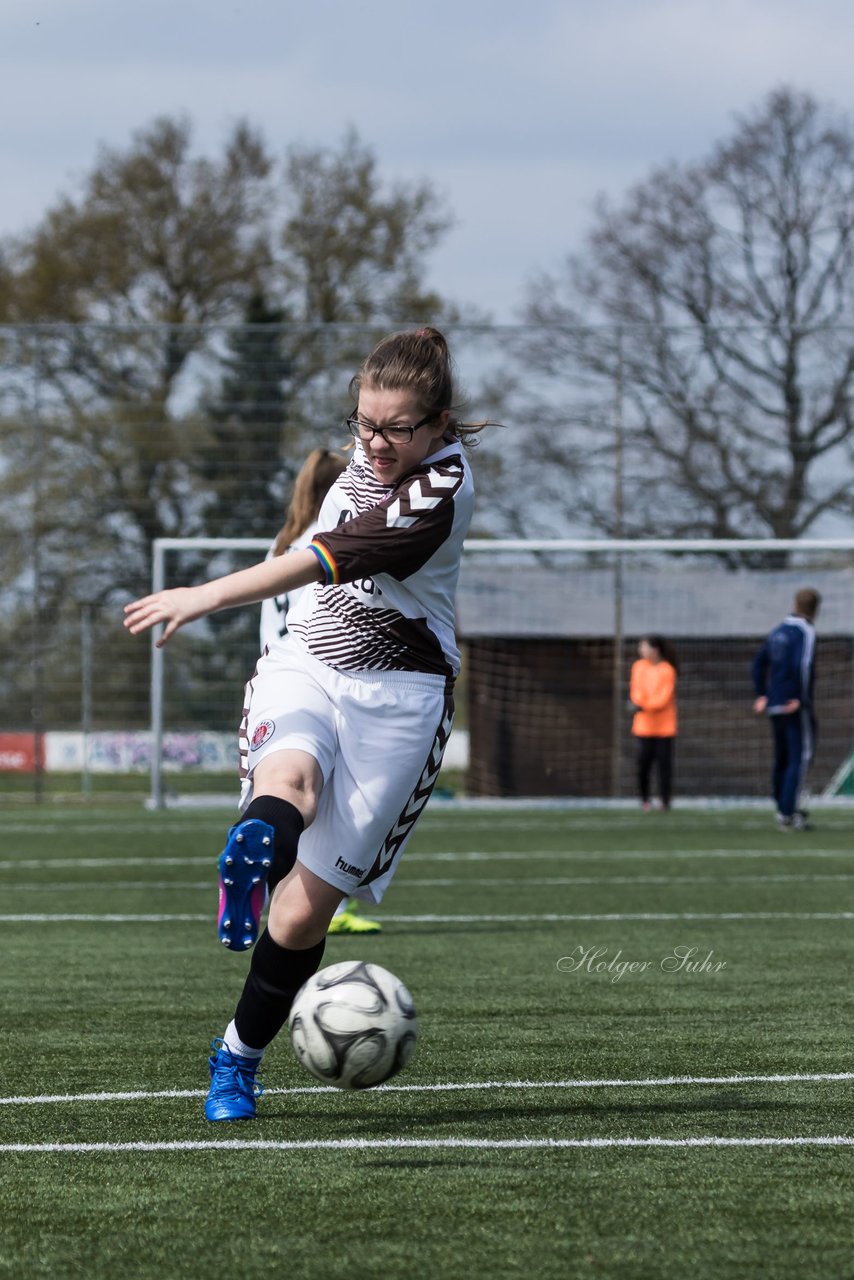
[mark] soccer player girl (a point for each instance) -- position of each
(346, 720)
(316, 476)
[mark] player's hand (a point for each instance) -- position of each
(174, 608)
(760, 704)
(791, 706)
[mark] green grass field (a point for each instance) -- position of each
(560, 1117)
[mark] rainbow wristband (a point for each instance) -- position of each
(330, 569)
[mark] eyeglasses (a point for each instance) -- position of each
(392, 435)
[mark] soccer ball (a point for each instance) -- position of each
(353, 1025)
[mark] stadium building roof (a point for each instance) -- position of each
(523, 598)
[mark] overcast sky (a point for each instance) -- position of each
(520, 113)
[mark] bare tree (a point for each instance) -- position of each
(716, 303)
(354, 248)
(168, 348)
(133, 282)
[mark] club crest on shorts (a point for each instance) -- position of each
(263, 730)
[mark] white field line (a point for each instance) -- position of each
(650, 1082)
(541, 855)
(420, 1144)
(548, 820)
(434, 816)
(544, 918)
(619, 855)
(685, 812)
(622, 916)
(33, 864)
(101, 886)
(112, 826)
(106, 918)
(524, 881)
(439, 882)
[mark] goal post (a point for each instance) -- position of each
(548, 630)
(161, 548)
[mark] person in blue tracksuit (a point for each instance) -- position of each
(783, 680)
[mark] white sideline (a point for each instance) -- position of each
(541, 855)
(423, 1144)
(554, 917)
(31, 864)
(103, 919)
(649, 1082)
(546, 918)
(438, 882)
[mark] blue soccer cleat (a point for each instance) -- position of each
(243, 868)
(233, 1085)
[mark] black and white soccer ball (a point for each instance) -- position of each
(353, 1025)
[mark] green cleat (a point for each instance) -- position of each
(349, 921)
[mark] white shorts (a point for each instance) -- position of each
(378, 738)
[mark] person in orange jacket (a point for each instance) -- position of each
(652, 697)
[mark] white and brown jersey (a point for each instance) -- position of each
(391, 559)
(274, 610)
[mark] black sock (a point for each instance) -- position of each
(286, 821)
(275, 976)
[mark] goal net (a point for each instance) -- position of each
(549, 630)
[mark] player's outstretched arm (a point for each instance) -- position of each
(180, 605)
(174, 608)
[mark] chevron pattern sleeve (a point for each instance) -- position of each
(390, 568)
(399, 535)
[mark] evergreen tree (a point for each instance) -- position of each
(249, 461)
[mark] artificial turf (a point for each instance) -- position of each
(550, 957)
